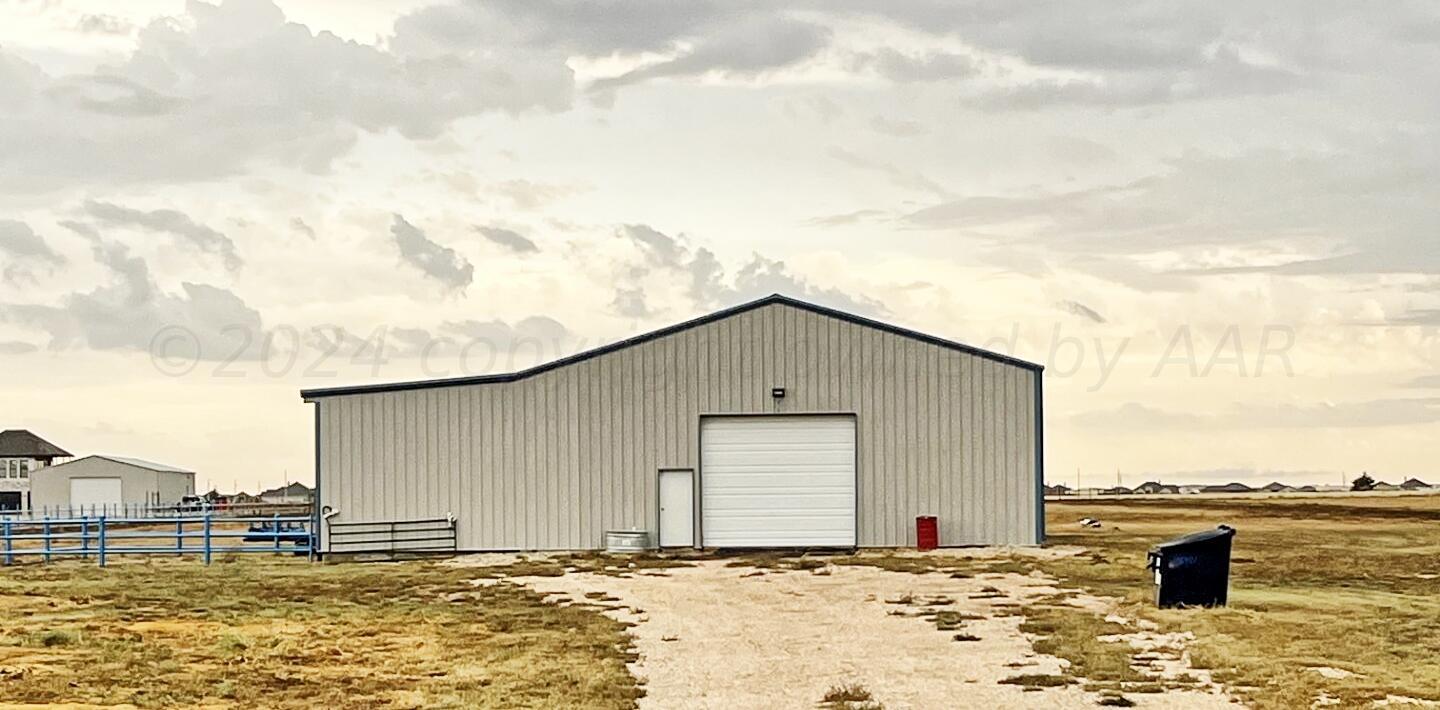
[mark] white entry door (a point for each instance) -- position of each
(677, 508)
(777, 481)
(101, 493)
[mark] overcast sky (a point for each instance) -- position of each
(1218, 225)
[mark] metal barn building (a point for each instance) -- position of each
(111, 485)
(776, 423)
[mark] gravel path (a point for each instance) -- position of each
(712, 636)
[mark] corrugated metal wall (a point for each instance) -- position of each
(554, 460)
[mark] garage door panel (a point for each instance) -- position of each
(778, 481)
(99, 492)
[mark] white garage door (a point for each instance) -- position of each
(780, 481)
(98, 492)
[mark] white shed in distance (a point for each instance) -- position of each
(109, 485)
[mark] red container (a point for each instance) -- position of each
(927, 532)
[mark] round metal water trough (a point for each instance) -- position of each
(627, 541)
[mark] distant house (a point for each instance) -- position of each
(1415, 484)
(1228, 488)
(1307, 489)
(21, 454)
(1383, 486)
(294, 493)
(1276, 487)
(1058, 489)
(1117, 491)
(1154, 487)
(110, 484)
(1192, 489)
(1091, 491)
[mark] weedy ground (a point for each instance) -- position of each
(277, 632)
(1331, 597)
(1318, 585)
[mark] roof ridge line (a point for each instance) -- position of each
(498, 378)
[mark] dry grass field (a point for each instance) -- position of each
(279, 632)
(1334, 599)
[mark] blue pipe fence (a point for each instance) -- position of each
(203, 535)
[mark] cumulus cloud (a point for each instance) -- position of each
(899, 128)
(438, 262)
(131, 311)
(745, 48)
(16, 347)
(905, 68)
(104, 25)
(209, 93)
(509, 239)
(23, 249)
(1079, 309)
(168, 221)
(706, 283)
(300, 226)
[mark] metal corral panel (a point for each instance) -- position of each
(554, 458)
(777, 481)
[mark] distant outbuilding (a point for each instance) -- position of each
(110, 485)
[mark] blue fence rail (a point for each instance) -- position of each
(203, 535)
(170, 511)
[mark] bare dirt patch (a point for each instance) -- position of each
(717, 634)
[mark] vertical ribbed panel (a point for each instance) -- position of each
(554, 460)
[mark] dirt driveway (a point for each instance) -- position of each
(725, 634)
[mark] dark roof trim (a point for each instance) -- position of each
(313, 394)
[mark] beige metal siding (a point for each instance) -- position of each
(554, 460)
(50, 486)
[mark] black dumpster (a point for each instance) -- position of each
(1193, 570)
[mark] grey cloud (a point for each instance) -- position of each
(508, 238)
(19, 241)
(1082, 310)
(104, 24)
(16, 347)
(1124, 57)
(630, 302)
(438, 262)
(707, 283)
(527, 195)
(112, 96)
(226, 86)
(845, 218)
(1363, 414)
(130, 312)
(1374, 199)
(590, 29)
(745, 48)
(168, 221)
(300, 226)
(905, 68)
(901, 177)
(900, 128)
(23, 249)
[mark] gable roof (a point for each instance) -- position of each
(313, 394)
(137, 463)
(294, 489)
(20, 442)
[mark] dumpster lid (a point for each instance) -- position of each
(1202, 536)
